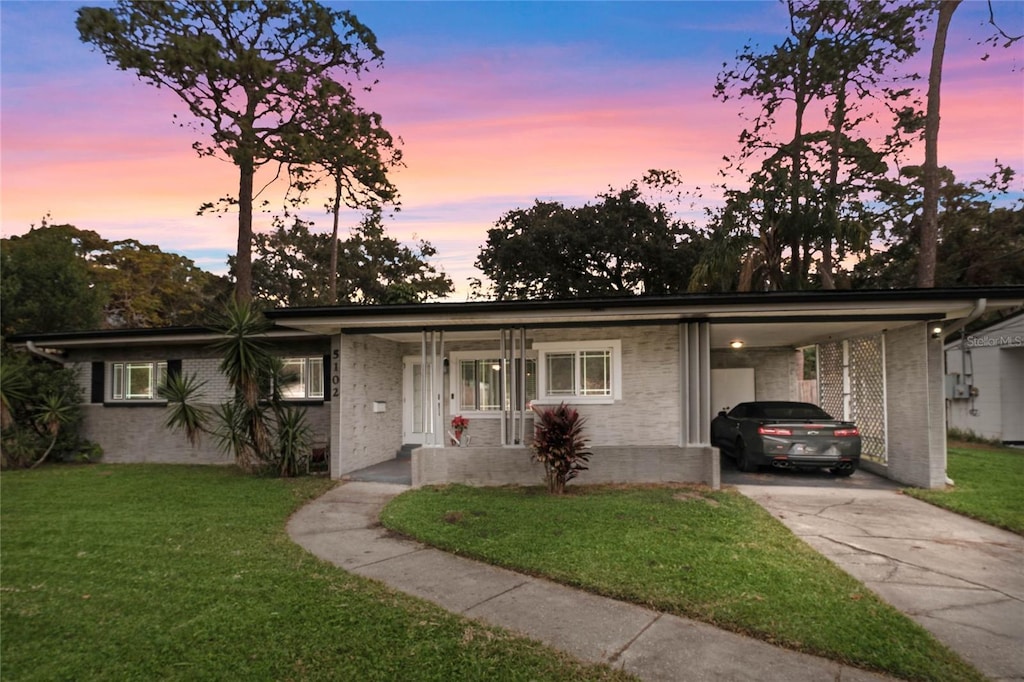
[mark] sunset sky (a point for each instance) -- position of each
(498, 104)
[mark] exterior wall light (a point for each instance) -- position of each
(737, 344)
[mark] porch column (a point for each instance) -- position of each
(916, 414)
(432, 387)
(695, 383)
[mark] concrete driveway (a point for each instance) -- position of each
(961, 579)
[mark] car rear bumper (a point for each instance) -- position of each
(788, 454)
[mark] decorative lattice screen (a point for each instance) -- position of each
(851, 385)
(830, 378)
(867, 394)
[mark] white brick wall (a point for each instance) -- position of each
(776, 370)
(916, 407)
(370, 370)
(514, 466)
(136, 432)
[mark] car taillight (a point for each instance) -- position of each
(773, 431)
(847, 432)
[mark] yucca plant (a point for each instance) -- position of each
(558, 443)
(15, 389)
(249, 368)
(181, 393)
(293, 437)
(53, 411)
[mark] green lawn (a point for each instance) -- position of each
(714, 556)
(152, 572)
(989, 485)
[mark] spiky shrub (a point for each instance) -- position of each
(184, 410)
(559, 444)
(40, 413)
(254, 425)
(293, 438)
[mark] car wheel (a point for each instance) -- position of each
(743, 462)
(844, 471)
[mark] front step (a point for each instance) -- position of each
(405, 452)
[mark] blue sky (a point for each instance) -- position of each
(498, 104)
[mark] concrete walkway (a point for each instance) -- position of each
(341, 527)
(961, 579)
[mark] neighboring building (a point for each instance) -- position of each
(648, 373)
(985, 381)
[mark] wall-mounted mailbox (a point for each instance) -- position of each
(380, 406)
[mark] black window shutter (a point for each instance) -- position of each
(327, 377)
(173, 368)
(98, 375)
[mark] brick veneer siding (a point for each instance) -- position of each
(492, 466)
(135, 432)
(777, 371)
(916, 407)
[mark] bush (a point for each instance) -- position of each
(558, 442)
(30, 385)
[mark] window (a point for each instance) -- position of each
(587, 371)
(137, 380)
(476, 387)
(303, 378)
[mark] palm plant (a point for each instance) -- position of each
(254, 425)
(181, 393)
(249, 368)
(53, 411)
(293, 437)
(14, 389)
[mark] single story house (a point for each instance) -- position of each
(985, 381)
(648, 373)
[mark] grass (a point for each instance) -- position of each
(714, 556)
(989, 485)
(186, 573)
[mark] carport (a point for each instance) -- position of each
(880, 363)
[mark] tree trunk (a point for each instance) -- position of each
(334, 244)
(243, 253)
(930, 171)
(832, 192)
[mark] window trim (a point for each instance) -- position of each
(120, 381)
(455, 358)
(309, 371)
(614, 349)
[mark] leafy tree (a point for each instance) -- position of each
(293, 267)
(349, 148)
(814, 181)
(979, 243)
(376, 268)
(42, 413)
(248, 70)
(147, 287)
(46, 284)
(621, 245)
(931, 173)
(61, 278)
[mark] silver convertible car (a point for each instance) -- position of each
(784, 435)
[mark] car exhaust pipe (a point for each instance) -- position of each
(780, 463)
(844, 465)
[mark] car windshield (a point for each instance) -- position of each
(788, 411)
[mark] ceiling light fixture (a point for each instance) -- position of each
(737, 344)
